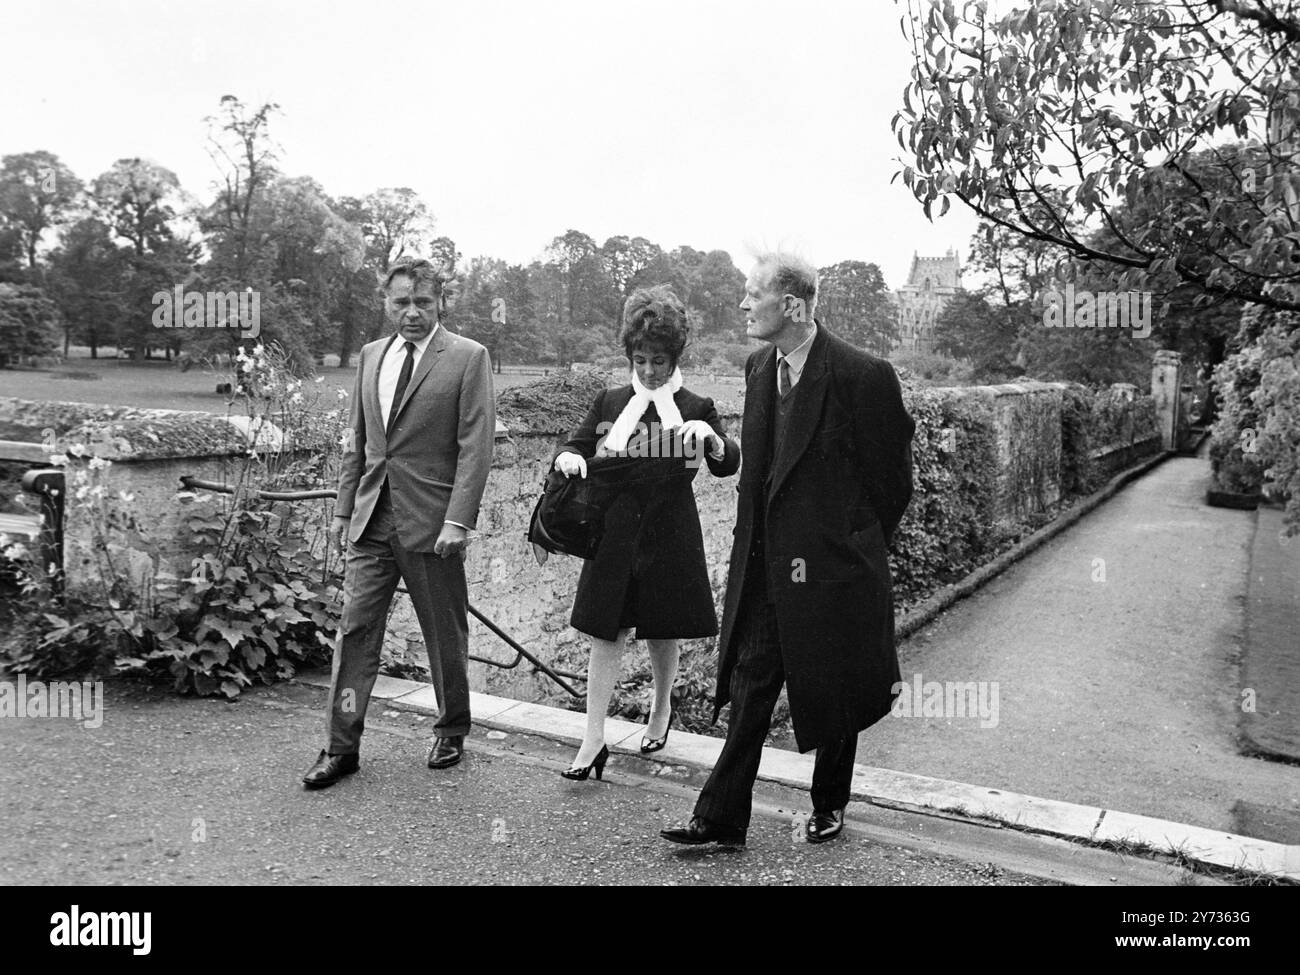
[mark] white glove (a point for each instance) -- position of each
(569, 463)
(697, 430)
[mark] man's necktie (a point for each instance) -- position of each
(783, 376)
(403, 378)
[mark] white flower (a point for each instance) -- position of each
(126, 496)
(58, 459)
(82, 492)
(77, 449)
(98, 463)
(15, 552)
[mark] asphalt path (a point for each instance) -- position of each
(1115, 649)
(171, 790)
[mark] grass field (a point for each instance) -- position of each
(157, 384)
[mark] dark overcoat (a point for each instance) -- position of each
(838, 488)
(652, 538)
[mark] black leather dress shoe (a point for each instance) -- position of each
(446, 752)
(700, 830)
(824, 826)
(328, 769)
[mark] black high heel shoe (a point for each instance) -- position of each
(579, 773)
(649, 745)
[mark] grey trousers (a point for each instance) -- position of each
(375, 564)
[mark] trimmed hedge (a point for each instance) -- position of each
(948, 529)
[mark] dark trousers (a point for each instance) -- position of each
(756, 682)
(376, 562)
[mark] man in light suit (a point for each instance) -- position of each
(417, 453)
(826, 476)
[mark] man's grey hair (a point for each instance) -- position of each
(787, 273)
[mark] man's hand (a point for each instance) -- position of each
(451, 540)
(339, 532)
(693, 431)
(569, 463)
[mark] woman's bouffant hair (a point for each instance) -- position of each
(654, 318)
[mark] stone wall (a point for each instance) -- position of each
(1026, 422)
(531, 602)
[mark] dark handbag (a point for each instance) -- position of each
(569, 517)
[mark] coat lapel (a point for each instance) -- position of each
(370, 382)
(809, 396)
(436, 345)
(760, 392)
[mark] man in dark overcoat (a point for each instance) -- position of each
(825, 479)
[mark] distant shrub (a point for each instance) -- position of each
(933, 369)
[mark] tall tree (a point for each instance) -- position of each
(37, 193)
(854, 302)
(240, 145)
(721, 289)
(394, 221)
(89, 279)
(576, 274)
(139, 201)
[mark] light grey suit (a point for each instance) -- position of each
(398, 491)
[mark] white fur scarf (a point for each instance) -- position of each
(669, 415)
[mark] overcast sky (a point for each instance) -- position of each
(713, 123)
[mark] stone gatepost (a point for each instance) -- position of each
(1166, 387)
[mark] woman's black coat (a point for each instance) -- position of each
(652, 536)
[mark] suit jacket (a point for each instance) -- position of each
(652, 544)
(837, 489)
(440, 453)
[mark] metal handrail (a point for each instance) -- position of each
(198, 484)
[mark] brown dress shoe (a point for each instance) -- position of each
(446, 752)
(328, 769)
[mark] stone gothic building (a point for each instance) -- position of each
(931, 283)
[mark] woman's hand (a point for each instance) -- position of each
(569, 463)
(693, 431)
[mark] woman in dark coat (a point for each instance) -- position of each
(649, 573)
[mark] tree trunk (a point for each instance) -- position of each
(347, 335)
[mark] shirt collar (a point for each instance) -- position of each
(798, 357)
(421, 345)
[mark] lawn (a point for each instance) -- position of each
(157, 384)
